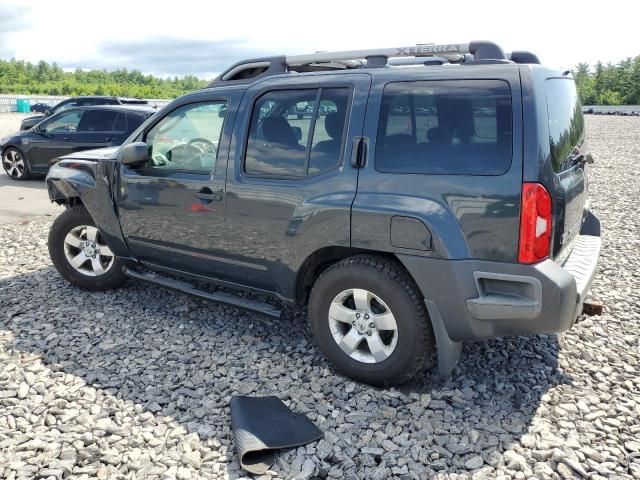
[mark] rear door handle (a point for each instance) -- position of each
(359, 152)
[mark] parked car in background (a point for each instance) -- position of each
(40, 107)
(433, 205)
(87, 101)
(74, 129)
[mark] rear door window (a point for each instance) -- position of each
(457, 127)
(134, 121)
(98, 121)
(120, 125)
(566, 122)
(65, 105)
(278, 136)
(296, 133)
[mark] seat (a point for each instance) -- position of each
(333, 124)
(440, 135)
(278, 130)
(325, 154)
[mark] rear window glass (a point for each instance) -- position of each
(566, 123)
(461, 127)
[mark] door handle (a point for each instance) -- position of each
(67, 139)
(206, 194)
(359, 152)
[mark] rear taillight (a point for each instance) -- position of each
(535, 223)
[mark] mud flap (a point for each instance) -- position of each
(448, 350)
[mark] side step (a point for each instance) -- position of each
(224, 298)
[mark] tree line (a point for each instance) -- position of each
(42, 78)
(610, 84)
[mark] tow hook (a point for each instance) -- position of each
(592, 307)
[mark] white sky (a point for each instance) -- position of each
(200, 36)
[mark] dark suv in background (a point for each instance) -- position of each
(86, 101)
(71, 130)
(409, 207)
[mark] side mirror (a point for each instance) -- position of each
(40, 130)
(135, 154)
(47, 112)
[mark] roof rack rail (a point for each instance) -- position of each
(477, 51)
(522, 56)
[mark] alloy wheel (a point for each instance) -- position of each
(363, 326)
(87, 252)
(13, 164)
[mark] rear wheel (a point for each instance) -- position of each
(369, 320)
(15, 164)
(79, 252)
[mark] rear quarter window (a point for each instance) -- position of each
(566, 122)
(455, 127)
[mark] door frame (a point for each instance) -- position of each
(252, 270)
(215, 178)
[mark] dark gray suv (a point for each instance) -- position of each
(429, 195)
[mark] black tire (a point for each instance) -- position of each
(12, 158)
(390, 282)
(66, 222)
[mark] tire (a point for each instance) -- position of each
(389, 290)
(74, 236)
(15, 164)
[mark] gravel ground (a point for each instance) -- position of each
(136, 383)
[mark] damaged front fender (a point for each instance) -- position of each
(71, 182)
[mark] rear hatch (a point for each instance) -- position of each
(569, 157)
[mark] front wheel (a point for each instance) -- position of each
(369, 320)
(79, 252)
(15, 164)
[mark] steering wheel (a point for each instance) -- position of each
(202, 144)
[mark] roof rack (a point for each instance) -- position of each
(473, 52)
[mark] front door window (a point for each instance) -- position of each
(187, 139)
(65, 123)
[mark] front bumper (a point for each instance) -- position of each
(479, 299)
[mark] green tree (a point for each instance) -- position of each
(610, 84)
(21, 77)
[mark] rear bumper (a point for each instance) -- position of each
(479, 299)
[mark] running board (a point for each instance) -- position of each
(224, 298)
